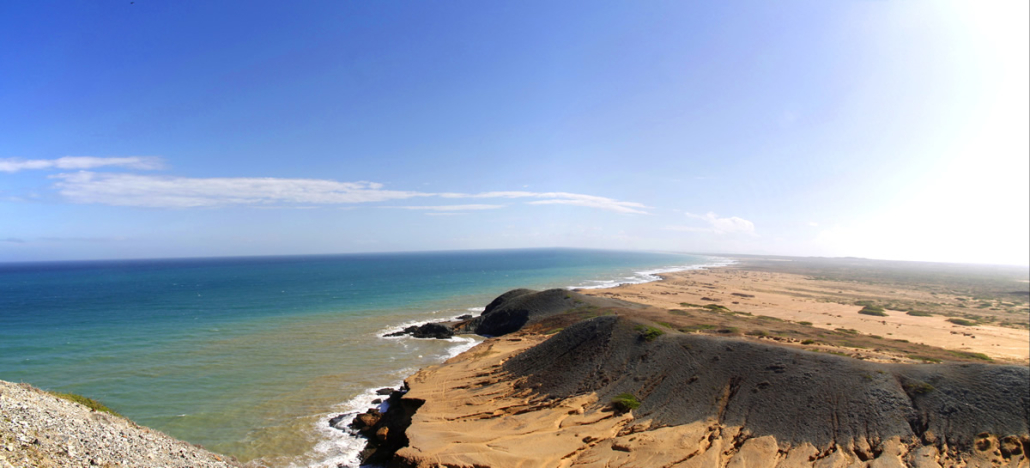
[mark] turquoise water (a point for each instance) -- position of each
(247, 356)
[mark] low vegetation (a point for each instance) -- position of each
(85, 401)
(650, 333)
(625, 402)
(918, 388)
(963, 322)
(873, 310)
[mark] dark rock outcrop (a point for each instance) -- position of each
(428, 330)
(515, 309)
(385, 431)
(433, 330)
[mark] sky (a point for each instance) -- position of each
(875, 128)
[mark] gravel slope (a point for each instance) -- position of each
(38, 429)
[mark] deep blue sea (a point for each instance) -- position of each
(249, 356)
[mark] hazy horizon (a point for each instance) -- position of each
(880, 130)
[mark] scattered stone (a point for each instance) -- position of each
(52, 431)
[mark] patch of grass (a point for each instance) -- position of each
(716, 308)
(849, 331)
(808, 342)
(649, 333)
(553, 331)
(805, 323)
(918, 388)
(679, 312)
(85, 401)
(687, 304)
(625, 402)
(923, 358)
(873, 310)
(963, 322)
(757, 333)
(666, 324)
(729, 330)
(971, 355)
(865, 303)
(919, 313)
(770, 319)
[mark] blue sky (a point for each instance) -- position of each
(882, 129)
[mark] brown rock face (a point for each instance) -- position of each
(545, 402)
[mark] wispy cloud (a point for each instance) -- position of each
(79, 162)
(446, 208)
(14, 240)
(562, 198)
(185, 192)
(729, 225)
(121, 189)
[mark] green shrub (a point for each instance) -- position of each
(687, 304)
(808, 342)
(963, 322)
(625, 402)
(873, 310)
(729, 330)
(716, 308)
(757, 333)
(85, 401)
(919, 313)
(807, 324)
(649, 333)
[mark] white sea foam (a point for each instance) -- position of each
(649, 276)
(343, 448)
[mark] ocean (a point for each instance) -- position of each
(249, 357)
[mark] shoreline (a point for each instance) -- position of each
(451, 385)
(350, 447)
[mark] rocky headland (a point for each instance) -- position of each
(573, 380)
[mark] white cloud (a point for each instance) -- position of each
(730, 225)
(185, 192)
(120, 189)
(562, 198)
(79, 162)
(443, 208)
(813, 224)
